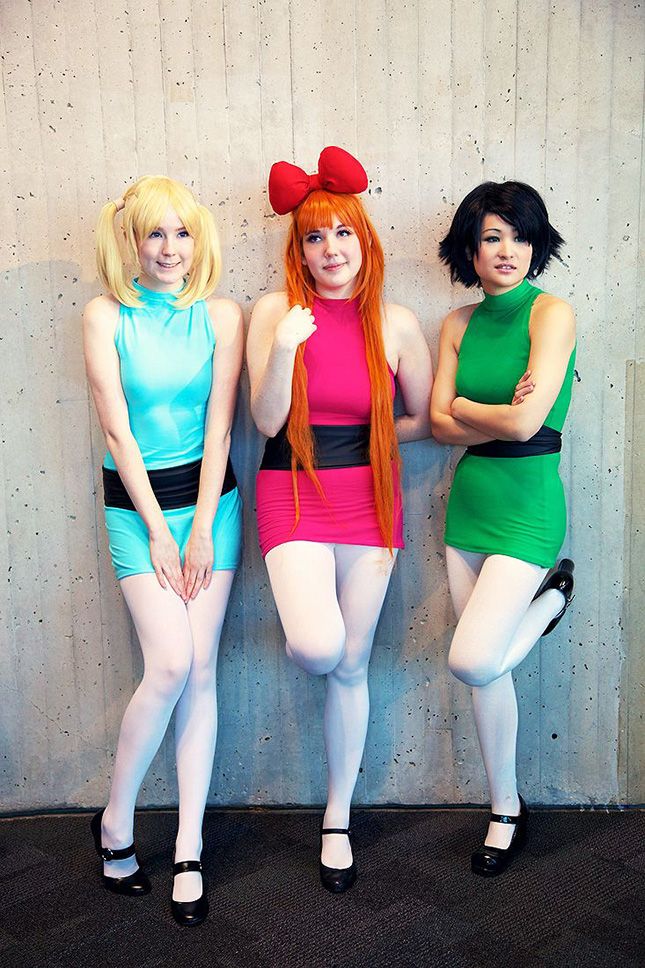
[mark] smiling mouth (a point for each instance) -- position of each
(505, 267)
(333, 265)
(168, 265)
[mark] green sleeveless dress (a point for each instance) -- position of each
(506, 505)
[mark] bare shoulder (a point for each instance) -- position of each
(273, 305)
(400, 317)
(225, 315)
(551, 311)
(457, 320)
(101, 316)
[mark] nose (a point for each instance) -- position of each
(168, 245)
(330, 243)
(505, 246)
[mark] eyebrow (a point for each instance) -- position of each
(341, 225)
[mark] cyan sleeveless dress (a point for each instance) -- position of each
(506, 505)
(166, 360)
(339, 395)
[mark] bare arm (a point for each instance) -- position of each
(228, 329)
(102, 363)
(274, 336)
(413, 374)
(446, 428)
(552, 334)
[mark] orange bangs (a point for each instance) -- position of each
(318, 211)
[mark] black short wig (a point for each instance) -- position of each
(519, 205)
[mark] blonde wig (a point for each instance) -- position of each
(143, 208)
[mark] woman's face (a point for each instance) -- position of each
(503, 258)
(166, 255)
(334, 258)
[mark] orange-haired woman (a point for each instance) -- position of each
(323, 357)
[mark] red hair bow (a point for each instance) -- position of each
(338, 172)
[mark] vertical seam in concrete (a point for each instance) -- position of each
(94, 458)
(639, 349)
(622, 751)
(199, 153)
(164, 87)
(355, 74)
(293, 120)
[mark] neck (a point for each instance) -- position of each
(493, 290)
(155, 285)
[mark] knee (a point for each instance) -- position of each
(352, 668)
(474, 670)
(168, 677)
(203, 671)
(317, 653)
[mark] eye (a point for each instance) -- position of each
(183, 234)
(313, 237)
(491, 238)
(344, 232)
(521, 240)
(155, 234)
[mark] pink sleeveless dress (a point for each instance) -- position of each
(339, 396)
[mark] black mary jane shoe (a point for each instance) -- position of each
(134, 885)
(491, 861)
(337, 879)
(189, 912)
(562, 580)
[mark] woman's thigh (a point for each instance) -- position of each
(491, 614)
(161, 621)
(303, 581)
(206, 615)
(363, 576)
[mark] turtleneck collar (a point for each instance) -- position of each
(510, 300)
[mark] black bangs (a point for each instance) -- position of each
(515, 202)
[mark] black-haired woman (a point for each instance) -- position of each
(502, 390)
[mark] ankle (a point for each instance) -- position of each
(116, 834)
(507, 805)
(337, 818)
(187, 849)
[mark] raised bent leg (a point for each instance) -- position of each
(303, 581)
(497, 627)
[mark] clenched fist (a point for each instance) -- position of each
(294, 328)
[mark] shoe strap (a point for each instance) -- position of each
(183, 866)
(119, 853)
(336, 830)
(504, 818)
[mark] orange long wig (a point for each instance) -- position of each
(318, 211)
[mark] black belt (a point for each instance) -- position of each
(174, 487)
(334, 446)
(545, 441)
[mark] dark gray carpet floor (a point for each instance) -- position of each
(573, 899)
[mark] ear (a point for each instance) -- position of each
(469, 254)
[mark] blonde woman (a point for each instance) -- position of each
(163, 360)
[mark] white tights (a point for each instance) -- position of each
(179, 644)
(329, 598)
(498, 626)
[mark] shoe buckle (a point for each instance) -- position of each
(107, 853)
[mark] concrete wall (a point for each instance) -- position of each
(433, 97)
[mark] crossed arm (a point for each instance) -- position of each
(458, 420)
